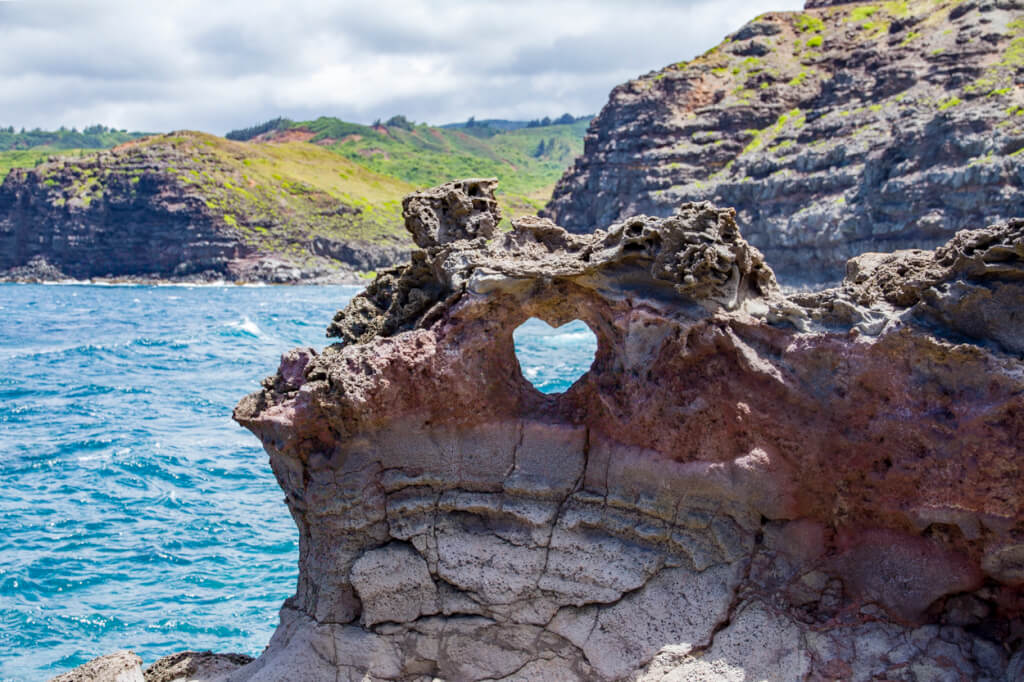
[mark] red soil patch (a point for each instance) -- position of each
(281, 136)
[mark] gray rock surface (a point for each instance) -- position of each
(120, 666)
(465, 209)
(195, 666)
(394, 585)
(834, 131)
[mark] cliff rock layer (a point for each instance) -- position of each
(743, 486)
(835, 131)
(192, 206)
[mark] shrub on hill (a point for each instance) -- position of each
(245, 134)
(92, 137)
(399, 121)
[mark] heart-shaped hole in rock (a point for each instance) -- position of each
(553, 359)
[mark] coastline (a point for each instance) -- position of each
(707, 378)
(353, 279)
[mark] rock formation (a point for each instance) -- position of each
(120, 666)
(185, 666)
(186, 206)
(835, 131)
(743, 486)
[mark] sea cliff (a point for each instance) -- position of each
(846, 128)
(193, 207)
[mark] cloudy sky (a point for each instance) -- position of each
(216, 65)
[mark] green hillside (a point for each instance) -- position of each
(93, 137)
(28, 148)
(278, 195)
(527, 160)
(27, 158)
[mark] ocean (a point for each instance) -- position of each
(134, 514)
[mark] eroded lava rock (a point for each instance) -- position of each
(743, 486)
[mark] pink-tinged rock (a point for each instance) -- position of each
(822, 485)
(903, 573)
(293, 367)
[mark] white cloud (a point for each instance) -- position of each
(216, 66)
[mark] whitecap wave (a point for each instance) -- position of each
(246, 325)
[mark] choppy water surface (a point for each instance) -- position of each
(134, 513)
(552, 359)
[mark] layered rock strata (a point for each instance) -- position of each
(743, 486)
(184, 207)
(833, 131)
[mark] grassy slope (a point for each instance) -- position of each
(27, 158)
(425, 156)
(378, 166)
(279, 197)
(282, 195)
(30, 148)
(93, 137)
(345, 183)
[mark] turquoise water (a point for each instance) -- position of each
(552, 359)
(134, 513)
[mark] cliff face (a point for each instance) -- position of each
(151, 226)
(839, 130)
(189, 206)
(743, 486)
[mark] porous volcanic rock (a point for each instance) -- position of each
(833, 131)
(455, 210)
(195, 666)
(120, 666)
(744, 485)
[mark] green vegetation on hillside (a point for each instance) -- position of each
(28, 158)
(527, 160)
(93, 137)
(295, 184)
(376, 165)
(493, 126)
(246, 134)
(28, 148)
(281, 196)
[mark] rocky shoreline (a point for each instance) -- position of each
(745, 485)
(43, 273)
(187, 666)
(262, 271)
